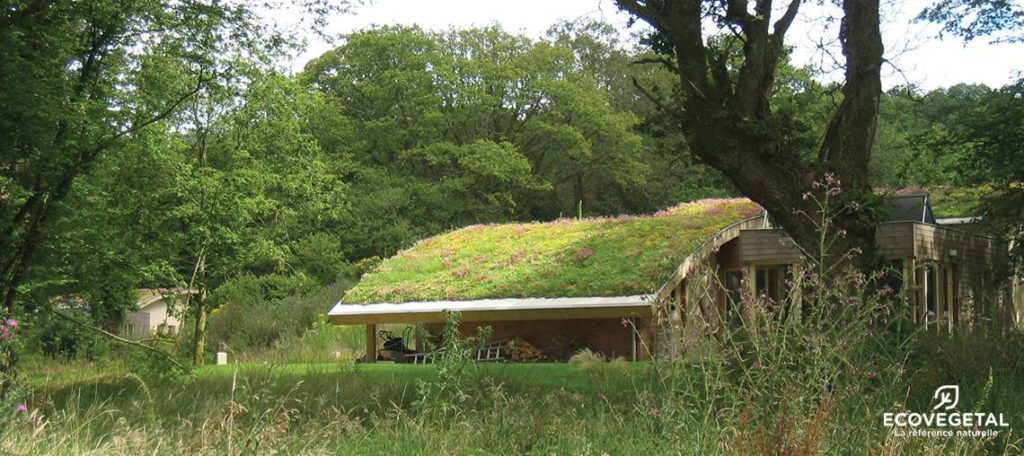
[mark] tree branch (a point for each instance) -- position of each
(657, 101)
(166, 356)
(782, 25)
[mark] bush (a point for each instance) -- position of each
(60, 339)
(256, 323)
(322, 343)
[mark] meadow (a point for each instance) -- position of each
(587, 406)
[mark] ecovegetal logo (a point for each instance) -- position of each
(948, 396)
(944, 420)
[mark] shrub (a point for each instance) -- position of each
(322, 343)
(586, 359)
(257, 324)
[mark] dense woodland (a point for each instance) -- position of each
(258, 184)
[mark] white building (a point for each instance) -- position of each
(158, 310)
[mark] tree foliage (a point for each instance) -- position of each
(724, 105)
(480, 125)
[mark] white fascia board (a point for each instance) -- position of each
(486, 305)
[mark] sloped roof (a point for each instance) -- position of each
(910, 208)
(594, 257)
(149, 296)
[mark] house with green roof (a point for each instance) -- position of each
(622, 285)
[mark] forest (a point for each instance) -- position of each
(155, 145)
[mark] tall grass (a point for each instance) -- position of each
(686, 407)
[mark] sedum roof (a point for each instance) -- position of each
(620, 256)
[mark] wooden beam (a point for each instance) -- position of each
(910, 287)
(940, 297)
(953, 311)
(797, 293)
(371, 343)
(752, 279)
(923, 297)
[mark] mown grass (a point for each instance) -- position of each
(588, 257)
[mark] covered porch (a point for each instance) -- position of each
(595, 321)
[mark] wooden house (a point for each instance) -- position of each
(618, 285)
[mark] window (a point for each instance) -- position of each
(772, 281)
(733, 282)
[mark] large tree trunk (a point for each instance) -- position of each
(727, 120)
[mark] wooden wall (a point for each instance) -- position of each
(894, 239)
(971, 266)
(767, 246)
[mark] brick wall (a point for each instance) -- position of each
(561, 337)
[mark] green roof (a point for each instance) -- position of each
(617, 256)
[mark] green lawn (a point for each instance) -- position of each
(340, 408)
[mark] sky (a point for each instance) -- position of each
(915, 53)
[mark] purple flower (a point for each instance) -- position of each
(12, 323)
(21, 408)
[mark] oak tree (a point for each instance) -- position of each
(723, 104)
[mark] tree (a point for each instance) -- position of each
(916, 143)
(725, 110)
(993, 133)
(970, 19)
(471, 126)
(82, 79)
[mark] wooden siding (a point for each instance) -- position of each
(894, 239)
(767, 246)
(938, 244)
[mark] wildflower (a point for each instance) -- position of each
(21, 408)
(5, 334)
(12, 323)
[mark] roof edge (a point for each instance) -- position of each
(490, 304)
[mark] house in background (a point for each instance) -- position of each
(601, 283)
(157, 310)
(950, 273)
